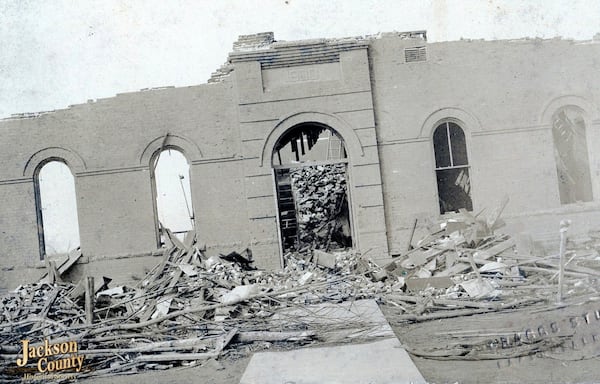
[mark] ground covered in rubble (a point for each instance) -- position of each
(468, 304)
(530, 370)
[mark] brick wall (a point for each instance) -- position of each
(108, 145)
(502, 93)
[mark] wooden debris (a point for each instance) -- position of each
(89, 300)
(324, 259)
(62, 265)
(415, 284)
(246, 337)
(321, 207)
(190, 306)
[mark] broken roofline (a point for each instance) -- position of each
(243, 47)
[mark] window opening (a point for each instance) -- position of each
(310, 167)
(571, 155)
(452, 168)
(308, 143)
(56, 204)
(173, 197)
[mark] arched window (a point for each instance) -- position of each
(173, 196)
(571, 155)
(310, 164)
(56, 204)
(452, 168)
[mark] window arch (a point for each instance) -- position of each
(571, 155)
(452, 167)
(56, 207)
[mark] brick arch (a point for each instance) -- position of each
(351, 141)
(75, 162)
(589, 110)
(468, 122)
(189, 148)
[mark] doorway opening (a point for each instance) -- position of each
(56, 206)
(173, 196)
(311, 177)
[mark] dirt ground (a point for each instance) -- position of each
(529, 369)
(223, 371)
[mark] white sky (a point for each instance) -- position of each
(59, 52)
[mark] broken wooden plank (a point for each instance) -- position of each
(420, 257)
(189, 240)
(177, 357)
(453, 270)
(494, 215)
(89, 300)
(415, 284)
(412, 234)
(174, 240)
(324, 259)
(251, 336)
(494, 250)
(63, 264)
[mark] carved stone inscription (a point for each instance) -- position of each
(274, 78)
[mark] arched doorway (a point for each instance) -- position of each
(170, 173)
(56, 205)
(310, 167)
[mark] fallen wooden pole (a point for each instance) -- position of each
(564, 226)
(247, 337)
(89, 300)
(177, 357)
(412, 234)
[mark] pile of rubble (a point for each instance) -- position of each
(188, 308)
(321, 207)
(461, 267)
(191, 307)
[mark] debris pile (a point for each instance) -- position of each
(461, 267)
(188, 308)
(321, 206)
(191, 307)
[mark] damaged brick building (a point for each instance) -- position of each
(416, 129)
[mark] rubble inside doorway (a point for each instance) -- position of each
(322, 207)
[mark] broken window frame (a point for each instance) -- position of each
(158, 230)
(311, 140)
(445, 124)
(344, 159)
(38, 202)
(567, 192)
